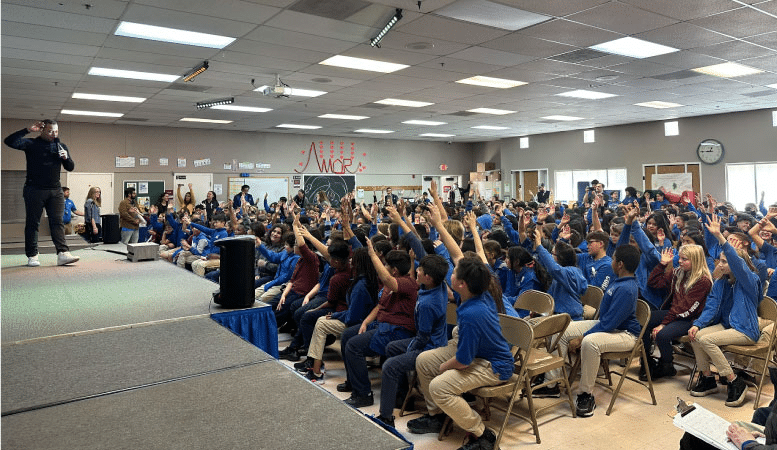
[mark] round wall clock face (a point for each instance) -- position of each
(710, 151)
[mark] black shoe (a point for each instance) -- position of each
(704, 386)
(387, 420)
(746, 377)
(289, 353)
(651, 366)
(344, 387)
(663, 369)
(304, 366)
(426, 424)
(737, 392)
(360, 401)
(586, 404)
(484, 442)
(539, 379)
(547, 392)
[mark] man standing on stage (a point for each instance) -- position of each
(128, 217)
(42, 189)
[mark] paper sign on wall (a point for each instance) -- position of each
(162, 161)
(126, 161)
(181, 162)
(217, 189)
(143, 161)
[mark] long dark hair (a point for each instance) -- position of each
(520, 258)
(364, 269)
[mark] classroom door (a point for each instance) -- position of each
(531, 181)
(201, 184)
(79, 184)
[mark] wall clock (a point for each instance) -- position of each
(709, 151)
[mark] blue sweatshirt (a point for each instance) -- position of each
(286, 262)
(213, 234)
(360, 303)
(568, 286)
(430, 319)
(618, 310)
(734, 305)
(647, 262)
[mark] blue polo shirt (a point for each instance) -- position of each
(480, 336)
(430, 319)
(69, 208)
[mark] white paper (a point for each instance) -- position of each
(143, 187)
(706, 426)
(217, 189)
(227, 166)
(143, 161)
(126, 161)
(162, 161)
(181, 162)
(246, 165)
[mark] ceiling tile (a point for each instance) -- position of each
(767, 40)
(621, 18)
(556, 8)
(735, 50)
(56, 19)
(683, 36)
(528, 45)
(450, 30)
(490, 56)
(241, 11)
(686, 59)
(461, 66)
(570, 33)
(739, 23)
(320, 26)
(686, 9)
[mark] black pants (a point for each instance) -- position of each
(91, 236)
(35, 199)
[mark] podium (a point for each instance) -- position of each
(111, 230)
(236, 279)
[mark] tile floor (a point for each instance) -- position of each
(634, 423)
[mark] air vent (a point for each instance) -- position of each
(188, 87)
(676, 75)
(577, 56)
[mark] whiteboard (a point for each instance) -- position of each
(275, 187)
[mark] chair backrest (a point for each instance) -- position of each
(643, 316)
(551, 326)
(767, 309)
(535, 301)
(519, 333)
(450, 315)
(592, 297)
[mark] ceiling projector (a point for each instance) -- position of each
(278, 90)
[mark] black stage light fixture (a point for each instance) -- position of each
(192, 74)
(211, 103)
(375, 42)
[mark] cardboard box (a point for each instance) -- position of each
(486, 166)
(495, 175)
(144, 251)
(477, 176)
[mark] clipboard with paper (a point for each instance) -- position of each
(704, 424)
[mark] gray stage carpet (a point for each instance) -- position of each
(50, 371)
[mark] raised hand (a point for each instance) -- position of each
(714, 227)
(433, 188)
(667, 255)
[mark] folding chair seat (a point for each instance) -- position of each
(540, 303)
(591, 301)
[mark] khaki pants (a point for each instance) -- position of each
(591, 350)
(706, 347)
(323, 327)
(185, 257)
(69, 228)
(199, 265)
(442, 391)
(260, 294)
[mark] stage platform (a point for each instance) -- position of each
(112, 354)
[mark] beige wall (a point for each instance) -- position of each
(746, 137)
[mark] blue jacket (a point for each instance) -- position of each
(734, 306)
(647, 262)
(286, 262)
(360, 303)
(430, 319)
(598, 272)
(236, 200)
(618, 310)
(213, 236)
(568, 286)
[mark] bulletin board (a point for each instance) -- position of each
(149, 198)
(275, 187)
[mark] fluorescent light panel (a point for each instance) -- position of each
(671, 129)
(300, 127)
(173, 35)
(342, 116)
(90, 113)
(369, 130)
(500, 83)
(398, 102)
(727, 70)
(773, 86)
(498, 112)
(349, 62)
(108, 98)
(562, 118)
(424, 122)
(491, 14)
(116, 73)
(590, 95)
(241, 108)
(633, 47)
(658, 104)
(197, 119)
(297, 92)
(439, 135)
(490, 127)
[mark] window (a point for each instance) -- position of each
(746, 182)
(671, 129)
(567, 182)
(588, 136)
(524, 141)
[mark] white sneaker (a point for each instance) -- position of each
(66, 258)
(32, 261)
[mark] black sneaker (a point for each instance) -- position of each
(586, 404)
(747, 378)
(304, 366)
(315, 378)
(651, 366)
(360, 401)
(344, 387)
(426, 424)
(547, 392)
(539, 379)
(283, 354)
(662, 370)
(737, 392)
(387, 420)
(484, 442)
(704, 386)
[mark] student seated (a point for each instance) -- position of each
(286, 260)
(616, 330)
(214, 234)
(477, 356)
(730, 316)
(569, 284)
